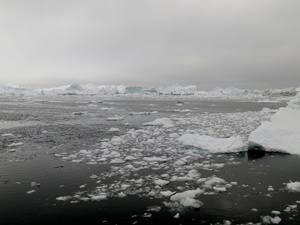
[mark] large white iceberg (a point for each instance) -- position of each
(212, 144)
(282, 133)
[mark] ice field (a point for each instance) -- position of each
(126, 155)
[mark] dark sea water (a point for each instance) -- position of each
(41, 128)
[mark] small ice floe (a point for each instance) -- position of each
(31, 191)
(293, 186)
(271, 220)
(107, 108)
(154, 208)
(115, 118)
(176, 216)
(212, 144)
(155, 159)
(161, 122)
(160, 182)
(15, 144)
(187, 198)
(167, 193)
(270, 188)
(35, 184)
(64, 198)
(113, 129)
(7, 135)
(276, 212)
(82, 186)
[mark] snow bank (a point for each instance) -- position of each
(213, 145)
(282, 133)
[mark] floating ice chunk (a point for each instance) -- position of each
(34, 184)
(98, 197)
(7, 135)
(128, 158)
(31, 191)
(167, 193)
(116, 118)
(64, 198)
(276, 212)
(161, 182)
(186, 198)
(213, 145)
(271, 220)
(107, 108)
(293, 186)
(176, 216)
(117, 161)
(154, 208)
(164, 122)
(122, 195)
(213, 181)
(270, 188)
(220, 189)
(82, 186)
(281, 134)
(155, 159)
(15, 144)
(113, 129)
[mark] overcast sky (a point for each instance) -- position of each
(240, 43)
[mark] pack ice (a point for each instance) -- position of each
(282, 133)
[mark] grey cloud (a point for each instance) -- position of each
(242, 43)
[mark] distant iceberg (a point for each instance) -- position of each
(282, 133)
(175, 90)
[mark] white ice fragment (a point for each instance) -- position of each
(113, 129)
(7, 135)
(155, 159)
(64, 198)
(98, 197)
(271, 220)
(122, 195)
(270, 188)
(276, 212)
(164, 122)
(186, 198)
(154, 208)
(176, 216)
(167, 193)
(31, 191)
(116, 118)
(15, 144)
(34, 184)
(212, 144)
(293, 186)
(128, 158)
(161, 182)
(220, 189)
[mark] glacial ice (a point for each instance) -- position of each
(282, 133)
